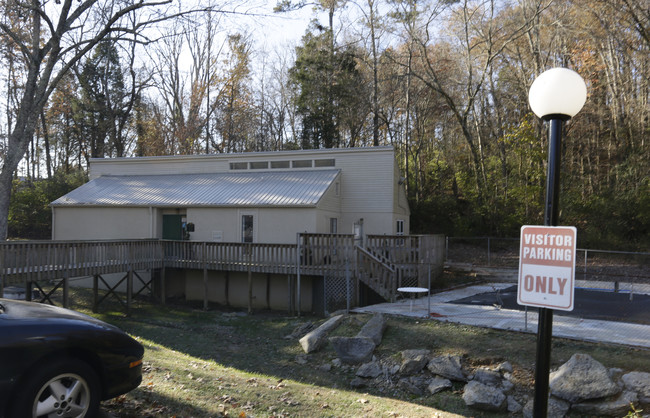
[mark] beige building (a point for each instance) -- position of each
(262, 197)
(221, 201)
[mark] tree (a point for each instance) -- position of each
(60, 34)
(330, 94)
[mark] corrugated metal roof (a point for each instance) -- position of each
(284, 188)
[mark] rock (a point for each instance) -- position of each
(447, 366)
(413, 361)
(557, 408)
(438, 384)
(353, 350)
(484, 397)
(325, 367)
(314, 340)
(374, 328)
(613, 408)
(372, 369)
(512, 405)
(488, 377)
(505, 367)
(358, 382)
(582, 378)
(507, 386)
(300, 330)
(301, 359)
(414, 385)
(638, 382)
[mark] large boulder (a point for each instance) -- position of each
(484, 397)
(617, 407)
(314, 340)
(438, 384)
(488, 376)
(374, 328)
(557, 408)
(582, 378)
(353, 350)
(447, 366)
(638, 382)
(371, 370)
(413, 361)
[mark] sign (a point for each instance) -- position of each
(547, 260)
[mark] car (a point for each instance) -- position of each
(58, 362)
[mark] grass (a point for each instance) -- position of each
(221, 363)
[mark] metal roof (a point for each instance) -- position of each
(283, 188)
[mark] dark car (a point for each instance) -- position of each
(57, 362)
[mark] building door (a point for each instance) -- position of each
(173, 227)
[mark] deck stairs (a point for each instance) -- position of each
(377, 273)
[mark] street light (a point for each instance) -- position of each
(556, 96)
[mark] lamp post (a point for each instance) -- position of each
(555, 96)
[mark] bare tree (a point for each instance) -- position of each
(60, 33)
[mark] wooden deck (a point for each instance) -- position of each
(384, 263)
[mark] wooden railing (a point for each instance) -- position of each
(376, 274)
(21, 262)
(386, 261)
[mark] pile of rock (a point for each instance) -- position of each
(581, 385)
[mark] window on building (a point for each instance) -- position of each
(399, 229)
(330, 162)
(259, 165)
(334, 225)
(280, 164)
(238, 166)
(247, 228)
(301, 163)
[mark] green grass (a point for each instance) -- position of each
(218, 363)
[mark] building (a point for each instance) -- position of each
(261, 197)
(314, 221)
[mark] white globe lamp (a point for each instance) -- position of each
(557, 93)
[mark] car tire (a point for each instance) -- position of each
(64, 388)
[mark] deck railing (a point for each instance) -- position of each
(25, 261)
(386, 259)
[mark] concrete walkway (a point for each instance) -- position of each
(437, 307)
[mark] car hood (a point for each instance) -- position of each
(30, 311)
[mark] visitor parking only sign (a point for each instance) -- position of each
(547, 260)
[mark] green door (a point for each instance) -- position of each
(173, 227)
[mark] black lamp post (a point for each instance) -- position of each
(555, 96)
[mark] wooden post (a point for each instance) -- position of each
(298, 264)
(250, 279)
(205, 276)
(290, 294)
(163, 297)
(268, 291)
(95, 292)
(66, 278)
(28, 290)
(2, 269)
(227, 288)
(129, 290)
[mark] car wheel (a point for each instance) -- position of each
(67, 388)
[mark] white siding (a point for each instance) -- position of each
(367, 183)
(76, 223)
(270, 224)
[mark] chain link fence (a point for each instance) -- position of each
(610, 285)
